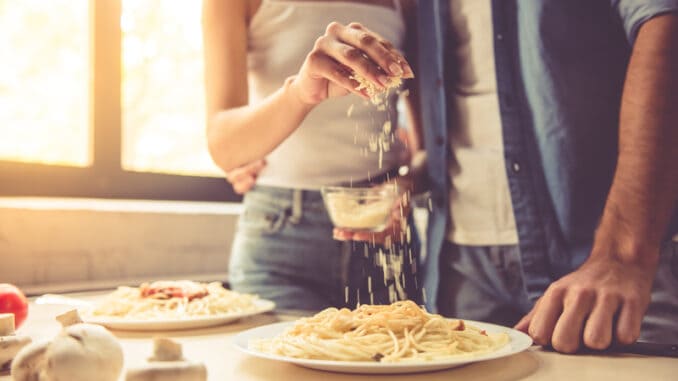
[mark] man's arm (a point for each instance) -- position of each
(605, 299)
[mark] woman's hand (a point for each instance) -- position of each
(341, 52)
(243, 178)
(396, 231)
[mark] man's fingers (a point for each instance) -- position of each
(524, 323)
(577, 306)
(599, 326)
(546, 315)
(630, 319)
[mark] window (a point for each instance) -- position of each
(104, 98)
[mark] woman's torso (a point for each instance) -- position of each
(330, 146)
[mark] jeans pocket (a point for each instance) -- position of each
(263, 220)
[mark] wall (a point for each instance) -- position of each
(51, 245)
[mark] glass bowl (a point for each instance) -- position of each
(360, 209)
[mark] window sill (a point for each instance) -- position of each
(62, 244)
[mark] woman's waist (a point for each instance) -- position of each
(310, 179)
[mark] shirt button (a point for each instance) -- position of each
(440, 140)
(500, 36)
(515, 166)
(439, 82)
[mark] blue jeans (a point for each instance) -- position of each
(485, 283)
(284, 251)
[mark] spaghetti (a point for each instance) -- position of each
(398, 332)
(173, 300)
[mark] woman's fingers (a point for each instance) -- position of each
(342, 234)
(243, 178)
(355, 60)
(323, 66)
(376, 48)
(344, 51)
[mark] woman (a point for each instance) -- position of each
(279, 79)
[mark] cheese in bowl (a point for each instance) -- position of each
(360, 209)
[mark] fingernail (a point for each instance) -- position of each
(395, 69)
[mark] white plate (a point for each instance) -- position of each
(518, 342)
(261, 306)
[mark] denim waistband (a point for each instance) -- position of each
(300, 200)
(296, 201)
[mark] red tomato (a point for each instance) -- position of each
(12, 300)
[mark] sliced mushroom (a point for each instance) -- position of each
(10, 344)
(165, 349)
(69, 318)
(80, 352)
(6, 324)
(167, 364)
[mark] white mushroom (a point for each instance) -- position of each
(29, 362)
(10, 344)
(80, 352)
(167, 364)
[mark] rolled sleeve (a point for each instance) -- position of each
(634, 13)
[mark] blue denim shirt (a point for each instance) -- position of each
(560, 67)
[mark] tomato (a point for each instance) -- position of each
(12, 300)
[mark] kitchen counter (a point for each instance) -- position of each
(213, 346)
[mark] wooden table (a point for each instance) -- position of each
(213, 347)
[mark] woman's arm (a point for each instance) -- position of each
(239, 133)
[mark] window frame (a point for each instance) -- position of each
(105, 177)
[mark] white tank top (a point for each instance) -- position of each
(329, 147)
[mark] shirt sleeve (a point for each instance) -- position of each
(634, 13)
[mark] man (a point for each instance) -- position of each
(553, 165)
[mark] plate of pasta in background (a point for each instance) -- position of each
(381, 339)
(172, 305)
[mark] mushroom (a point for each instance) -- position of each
(167, 364)
(10, 344)
(80, 352)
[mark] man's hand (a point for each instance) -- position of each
(243, 178)
(606, 298)
(600, 303)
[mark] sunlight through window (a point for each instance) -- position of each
(163, 93)
(44, 82)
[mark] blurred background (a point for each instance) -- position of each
(104, 172)
(49, 50)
